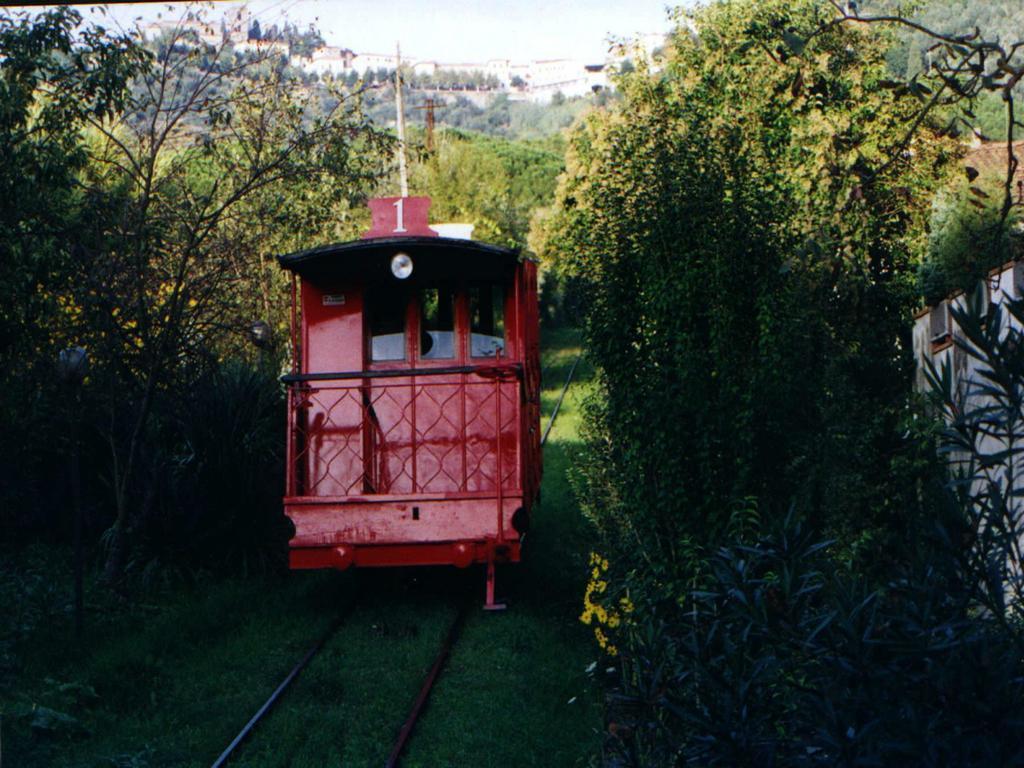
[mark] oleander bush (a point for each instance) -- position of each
(782, 656)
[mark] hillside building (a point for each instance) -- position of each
(372, 61)
(329, 59)
(538, 80)
(208, 32)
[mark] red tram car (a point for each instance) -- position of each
(414, 398)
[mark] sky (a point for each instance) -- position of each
(450, 30)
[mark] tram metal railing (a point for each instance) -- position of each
(444, 430)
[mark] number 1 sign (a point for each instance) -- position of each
(400, 217)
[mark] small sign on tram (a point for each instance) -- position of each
(400, 217)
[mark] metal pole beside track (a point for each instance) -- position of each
(561, 397)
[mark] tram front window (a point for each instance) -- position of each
(437, 323)
(487, 320)
(387, 324)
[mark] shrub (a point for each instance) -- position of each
(783, 657)
(214, 476)
(745, 227)
(968, 237)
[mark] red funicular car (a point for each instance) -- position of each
(413, 402)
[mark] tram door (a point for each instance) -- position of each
(414, 425)
(331, 457)
(435, 432)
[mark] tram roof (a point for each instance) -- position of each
(433, 257)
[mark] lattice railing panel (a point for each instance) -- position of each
(399, 438)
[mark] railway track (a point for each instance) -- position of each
(428, 685)
(279, 691)
(432, 676)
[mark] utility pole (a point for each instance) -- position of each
(72, 367)
(403, 175)
(429, 107)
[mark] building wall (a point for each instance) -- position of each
(237, 25)
(935, 330)
(364, 61)
(935, 337)
(208, 32)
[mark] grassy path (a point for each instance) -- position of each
(171, 682)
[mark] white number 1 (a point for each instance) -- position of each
(400, 216)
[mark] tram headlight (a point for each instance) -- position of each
(401, 265)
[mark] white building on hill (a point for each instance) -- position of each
(330, 59)
(208, 32)
(538, 80)
(642, 47)
(569, 77)
(236, 23)
(373, 61)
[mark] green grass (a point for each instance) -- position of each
(171, 679)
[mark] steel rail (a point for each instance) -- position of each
(269, 703)
(561, 397)
(427, 687)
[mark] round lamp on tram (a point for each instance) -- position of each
(401, 265)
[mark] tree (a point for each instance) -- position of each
(746, 229)
(51, 84)
(973, 83)
(205, 155)
(962, 221)
(51, 87)
(745, 226)
(493, 183)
